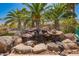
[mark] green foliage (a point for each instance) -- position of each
(58, 11)
(69, 25)
(37, 11)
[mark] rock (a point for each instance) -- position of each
(59, 35)
(27, 36)
(69, 51)
(5, 43)
(30, 43)
(69, 44)
(67, 41)
(52, 46)
(39, 48)
(72, 45)
(21, 48)
(70, 36)
(66, 46)
(17, 40)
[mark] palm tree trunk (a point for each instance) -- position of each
(56, 25)
(19, 27)
(38, 38)
(37, 24)
(32, 23)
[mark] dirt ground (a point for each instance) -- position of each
(51, 53)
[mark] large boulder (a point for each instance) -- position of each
(69, 44)
(57, 35)
(52, 46)
(70, 36)
(21, 48)
(5, 43)
(39, 48)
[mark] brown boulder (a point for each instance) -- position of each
(72, 45)
(17, 40)
(39, 48)
(70, 36)
(5, 43)
(69, 44)
(52, 46)
(21, 48)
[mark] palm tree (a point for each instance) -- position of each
(37, 10)
(18, 17)
(57, 11)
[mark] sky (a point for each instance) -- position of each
(77, 10)
(6, 7)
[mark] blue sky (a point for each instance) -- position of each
(6, 7)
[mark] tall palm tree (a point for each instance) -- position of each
(18, 17)
(37, 10)
(57, 11)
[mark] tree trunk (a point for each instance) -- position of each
(38, 38)
(56, 25)
(37, 24)
(32, 23)
(19, 28)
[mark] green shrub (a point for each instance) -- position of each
(69, 25)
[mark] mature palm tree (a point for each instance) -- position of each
(18, 17)
(57, 11)
(37, 10)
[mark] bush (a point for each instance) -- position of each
(69, 25)
(3, 30)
